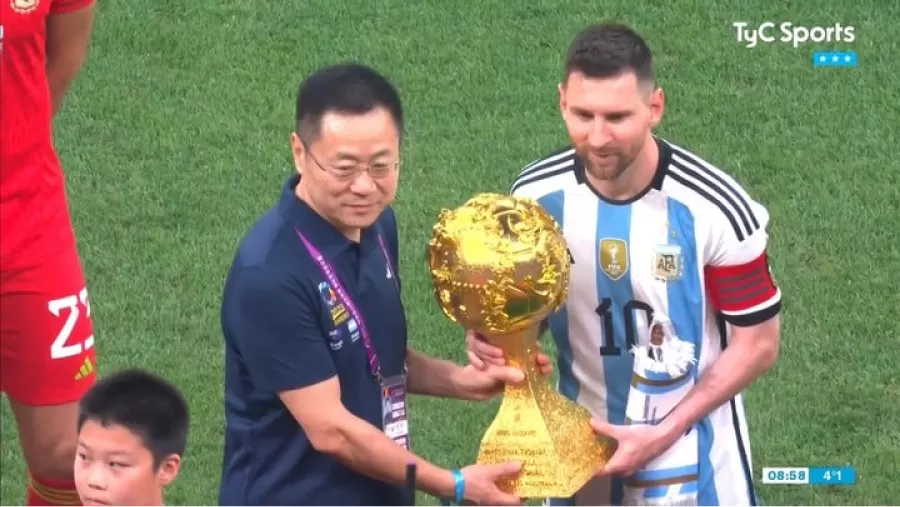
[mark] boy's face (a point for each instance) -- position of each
(113, 467)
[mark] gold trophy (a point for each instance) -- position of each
(500, 266)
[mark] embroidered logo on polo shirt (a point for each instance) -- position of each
(329, 296)
(335, 340)
(353, 329)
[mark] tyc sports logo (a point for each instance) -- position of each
(798, 35)
(789, 33)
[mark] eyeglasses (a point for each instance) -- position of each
(349, 171)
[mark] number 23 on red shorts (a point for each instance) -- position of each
(47, 352)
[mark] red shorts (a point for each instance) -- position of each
(47, 352)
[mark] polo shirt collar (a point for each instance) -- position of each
(322, 234)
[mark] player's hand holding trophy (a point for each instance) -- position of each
(500, 267)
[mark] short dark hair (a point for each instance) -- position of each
(145, 404)
(348, 88)
(608, 50)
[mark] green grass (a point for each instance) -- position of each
(175, 138)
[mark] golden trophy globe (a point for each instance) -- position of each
(500, 266)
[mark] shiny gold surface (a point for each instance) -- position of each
(500, 266)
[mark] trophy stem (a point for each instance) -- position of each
(520, 349)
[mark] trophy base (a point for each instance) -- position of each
(551, 437)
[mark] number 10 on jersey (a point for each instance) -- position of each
(604, 310)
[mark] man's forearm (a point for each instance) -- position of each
(364, 448)
(431, 376)
(738, 367)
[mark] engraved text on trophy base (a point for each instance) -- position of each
(550, 436)
(532, 448)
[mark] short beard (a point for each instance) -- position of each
(622, 165)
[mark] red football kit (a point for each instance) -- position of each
(47, 350)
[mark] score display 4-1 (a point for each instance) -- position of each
(817, 476)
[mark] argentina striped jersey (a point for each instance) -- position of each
(690, 251)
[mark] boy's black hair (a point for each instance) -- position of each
(145, 404)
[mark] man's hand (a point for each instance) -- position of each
(637, 446)
(483, 355)
(483, 384)
(481, 483)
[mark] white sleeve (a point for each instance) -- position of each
(738, 276)
(738, 239)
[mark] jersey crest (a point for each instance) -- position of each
(613, 257)
(24, 6)
(668, 263)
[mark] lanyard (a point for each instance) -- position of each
(330, 275)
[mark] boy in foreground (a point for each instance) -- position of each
(132, 433)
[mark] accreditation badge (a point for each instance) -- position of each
(393, 410)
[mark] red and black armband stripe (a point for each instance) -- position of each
(745, 294)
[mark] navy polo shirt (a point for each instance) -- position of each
(284, 330)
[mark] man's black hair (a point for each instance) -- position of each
(608, 50)
(145, 404)
(346, 88)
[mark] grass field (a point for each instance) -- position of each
(175, 138)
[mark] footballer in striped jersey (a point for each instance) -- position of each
(672, 311)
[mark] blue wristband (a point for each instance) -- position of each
(460, 483)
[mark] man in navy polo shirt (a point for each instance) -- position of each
(317, 361)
